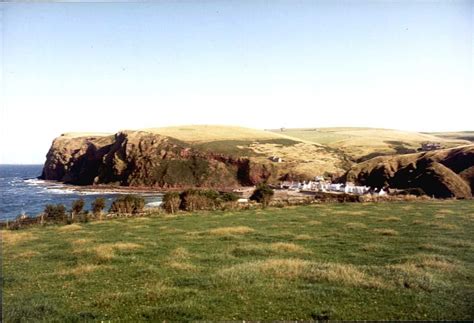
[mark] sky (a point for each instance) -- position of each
(104, 67)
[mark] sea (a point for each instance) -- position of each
(22, 193)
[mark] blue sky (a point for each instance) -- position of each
(262, 64)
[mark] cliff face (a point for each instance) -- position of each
(135, 158)
(442, 173)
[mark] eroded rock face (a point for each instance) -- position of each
(135, 158)
(443, 173)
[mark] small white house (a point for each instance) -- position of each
(276, 159)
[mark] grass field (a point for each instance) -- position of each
(365, 142)
(207, 133)
(460, 135)
(410, 260)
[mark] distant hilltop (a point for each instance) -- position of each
(228, 157)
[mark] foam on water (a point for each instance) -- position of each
(22, 192)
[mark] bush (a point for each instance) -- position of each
(171, 202)
(77, 206)
(194, 200)
(262, 194)
(128, 204)
(55, 213)
(229, 197)
(98, 205)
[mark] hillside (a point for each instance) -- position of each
(301, 158)
(458, 135)
(441, 173)
(188, 156)
(364, 143)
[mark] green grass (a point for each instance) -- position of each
(343, 261)
(240, 147)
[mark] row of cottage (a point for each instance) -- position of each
(323, 186)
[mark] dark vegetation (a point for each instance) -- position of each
(128, 204)
(98, 206)
(197, 200)
(58, 214)
(187, 172)
(77, 206)
(400, 148)
(55, 213)
(240, 148)
(263, 194)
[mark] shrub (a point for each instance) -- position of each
(128, 204)
(194, 200)
(56, 213)
(77, 206)
(98, 205)
(262, 194)
(229, 197)
(171, 202)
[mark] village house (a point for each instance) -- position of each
(428, 146)
(276, 159)
(324, 186)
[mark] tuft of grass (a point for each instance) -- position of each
(445, 226)
(386, 232)
(391, 219)
(287, 247)
(369, 247)
(79, 270)
(432, 247)
(356, 225)
(303, 237)
(294, 269)
(107, 251)
(445, 211)
(231, 230)
(27, 254)
(180, 253)
(81, 242)
(178, 265)
(179, 259)
(70, 228)
(409, 276)
(16, 237)
(436, 262)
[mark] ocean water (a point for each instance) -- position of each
(22, 193)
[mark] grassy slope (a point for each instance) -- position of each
(360, 142)
(460, 135)
(347, 261)
(301, 156)
(206, 133)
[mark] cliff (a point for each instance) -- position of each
(140, 158)
(442, 173)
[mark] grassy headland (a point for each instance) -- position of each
(339, 261)
(364, 143)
